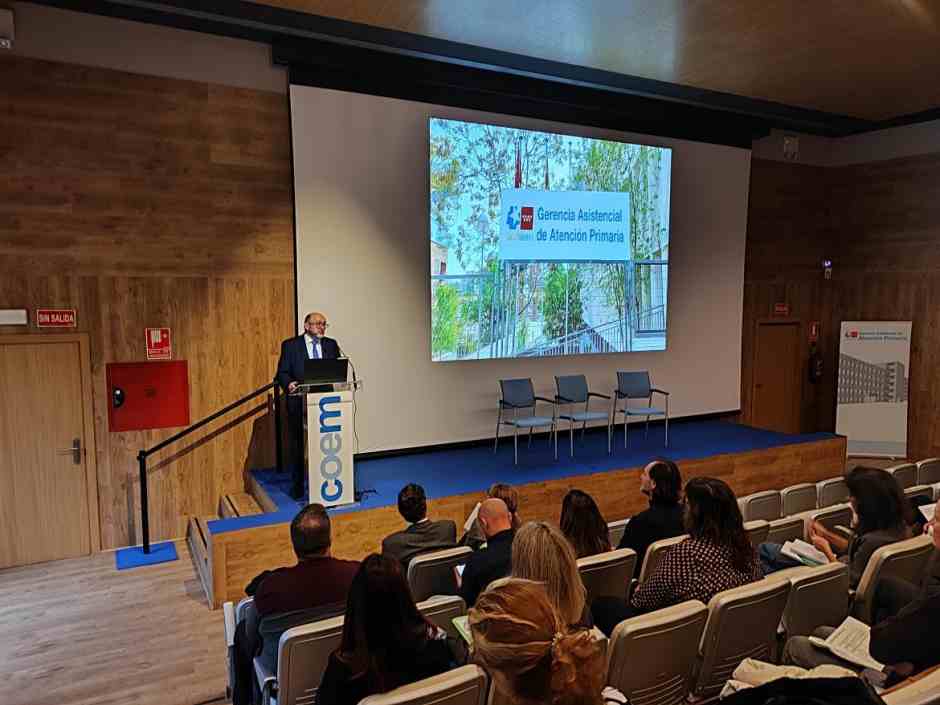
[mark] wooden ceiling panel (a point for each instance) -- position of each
(869, 59)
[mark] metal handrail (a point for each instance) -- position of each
(145, 453)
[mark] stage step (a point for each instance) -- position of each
(238, 504)
(197, 536)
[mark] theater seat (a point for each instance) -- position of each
(830, 517)
(903, 559)
(742, 623)
(928, 471)
(757, 531)
(798, 498)
(615, 531)
(607, 574)
(467, 685)
(654, 555)
(441, 611)
(652, 657)
(785, 529)
(432, 573)
(905, 474)
(832, 491)
(761, 505)
(819, 597)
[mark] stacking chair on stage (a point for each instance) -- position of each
(757, 531)
(467, 685)
(831, 491)
(785, 529)
(742, 623)
(905, 474)
(652, 656)
(432, 573)
(573, 389)
(760, 505)
(654, 555)
(607, 574)
(519, 395)
(798, 498)
(928, 471)
(615, 531)
(636, 385)
(903, 559)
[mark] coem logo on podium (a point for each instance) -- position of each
(331, 446)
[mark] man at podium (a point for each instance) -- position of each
(311, 345)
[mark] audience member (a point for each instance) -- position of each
(541, 552)
(386, 641)
(717, 556)
(905, 641)
(661, 482)
(288, 596)
(522, 641)
(583, 524)
(881, 515)
(494, 561)
(422, 534)
(474, 537)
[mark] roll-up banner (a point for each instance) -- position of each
(874, 363)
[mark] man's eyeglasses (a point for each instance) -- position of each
(320, 323)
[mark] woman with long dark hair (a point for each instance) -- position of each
(583, 525)
(386, 642)
(717, 556)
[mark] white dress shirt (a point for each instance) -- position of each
(308, 339)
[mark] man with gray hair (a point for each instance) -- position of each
(494, 561)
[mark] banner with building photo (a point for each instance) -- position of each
(874, 359)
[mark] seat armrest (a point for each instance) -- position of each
(509, 405)
(544, 399)
(267, 681)
(844, 531)
(228, 614)
(598, 395)
(659, 391)
(563, 400)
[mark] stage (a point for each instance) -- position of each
(229, 552)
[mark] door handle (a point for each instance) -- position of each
(75, 451)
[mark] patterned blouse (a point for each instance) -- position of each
(695, 569)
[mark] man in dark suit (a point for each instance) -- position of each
(311, 345)
(494, 561)
(422, 534)
(662, 483)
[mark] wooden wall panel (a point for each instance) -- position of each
(145, 201)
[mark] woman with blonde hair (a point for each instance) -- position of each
(541, 552)
(533, 657)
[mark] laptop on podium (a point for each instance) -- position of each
(325, 372)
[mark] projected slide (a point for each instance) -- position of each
(545, 244)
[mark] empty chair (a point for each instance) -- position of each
(652, 657)
(636, 385)
(441, 610)
(607, 574)
(903, 559)
(654, 555)
(757, 531)
(572, 392)
(467, 685)
(905, 474)
(819, 597)
(928, 471)
(518, 395)
(615, 531)
(302, 656)
(742, 623)
(832, 491)
(785, 529)
(797, 498)
(433, 573)
(919, 490)
(760, 505)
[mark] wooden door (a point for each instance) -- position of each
(44, 433)
(777, 380)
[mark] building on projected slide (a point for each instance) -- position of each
(861, 382)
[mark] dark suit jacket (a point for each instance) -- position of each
(290, 366)
(418, 538)
(660, 521)
(486, 565)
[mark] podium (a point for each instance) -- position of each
(328, 424)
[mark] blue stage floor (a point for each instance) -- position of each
(452, 472)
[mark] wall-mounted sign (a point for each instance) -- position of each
(781, 309)
(158, 344)
(55, 317)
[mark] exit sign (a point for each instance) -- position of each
(55, 317)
